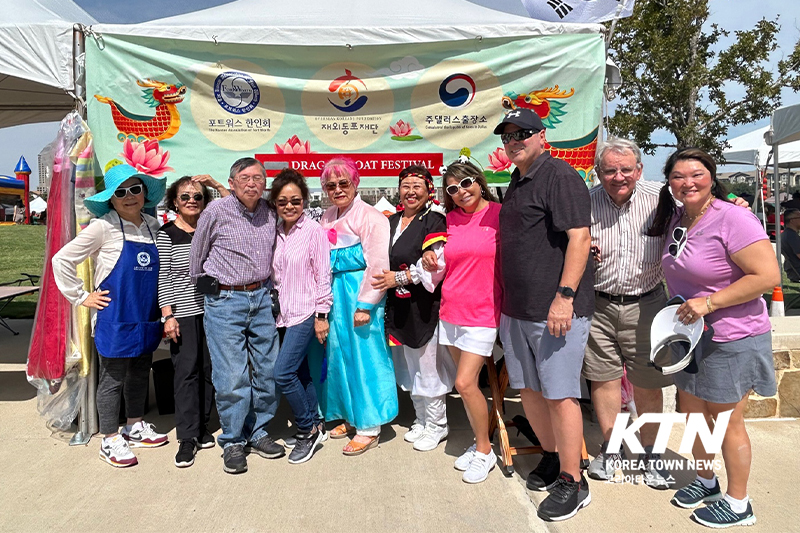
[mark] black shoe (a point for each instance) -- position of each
(545, 475)
(321, 429)
(186, 451)
(305, 446)
(266, 448)
(206, 440)
(566, 499)
(234, 461)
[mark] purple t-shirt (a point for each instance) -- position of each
(705, 267)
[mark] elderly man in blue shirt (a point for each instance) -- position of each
(231, 260)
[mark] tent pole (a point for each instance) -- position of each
(777, 188)
(78, 68)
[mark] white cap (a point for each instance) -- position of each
(666, 330)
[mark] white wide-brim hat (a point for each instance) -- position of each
(667, 330)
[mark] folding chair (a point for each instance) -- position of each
(498, 384)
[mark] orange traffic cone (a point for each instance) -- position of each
(776, 309)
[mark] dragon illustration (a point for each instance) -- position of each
(577, 152)
(166, 122)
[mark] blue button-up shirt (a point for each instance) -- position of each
(233, 245)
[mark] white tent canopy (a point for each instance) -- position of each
(384, 205)
(786, 125)
(36, 59)
(752, 149)
(356, 23)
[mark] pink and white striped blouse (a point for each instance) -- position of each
(301, 271)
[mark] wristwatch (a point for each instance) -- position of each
(165, 318)
(566, 292)
(321, 316)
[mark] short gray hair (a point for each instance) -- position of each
(619, 145)
(246, 162)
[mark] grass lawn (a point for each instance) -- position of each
(21, 250)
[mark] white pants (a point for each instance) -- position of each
(429, 373)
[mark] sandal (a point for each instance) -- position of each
(341, 431)
(357, 448)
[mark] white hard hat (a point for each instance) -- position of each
(668, 333)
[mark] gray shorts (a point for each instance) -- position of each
(729, 370)
(538, 361)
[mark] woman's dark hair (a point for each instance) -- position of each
(172, 193)
(285, 177)
(666, 203)
(459, 171)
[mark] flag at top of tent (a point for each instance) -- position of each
(578, 10)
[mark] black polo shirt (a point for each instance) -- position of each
(537, 210)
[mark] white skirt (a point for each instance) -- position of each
(473, 339)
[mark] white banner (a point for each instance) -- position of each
(577, 10)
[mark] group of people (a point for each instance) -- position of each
(256, 297)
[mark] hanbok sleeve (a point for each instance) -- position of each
(373, 230)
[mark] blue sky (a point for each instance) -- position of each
(729, 14)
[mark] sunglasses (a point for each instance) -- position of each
(135, 190)
(453, 189)
(283, 202)
(342, 184)
(185, 197)
(679, 241)
(519, 135)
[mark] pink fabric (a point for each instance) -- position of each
(705, 267)
(301, 272)
(471, 292)
(362, 223)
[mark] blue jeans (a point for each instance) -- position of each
(240, 328)
(293, 377)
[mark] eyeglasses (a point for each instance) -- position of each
(679, 241)
(519, 135)
(283, 202)
(626, 172)
(342, 184)
(185, 197)
(135, 190)
(244, 180)
(453, 189)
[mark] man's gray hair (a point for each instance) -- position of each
(246, 162)
(619, 145)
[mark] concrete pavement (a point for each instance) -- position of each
(49, 486)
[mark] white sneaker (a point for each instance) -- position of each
(115, 451)
(143, 435)
(413, 434)
(431, 438)
(480, 467)
(462, 463)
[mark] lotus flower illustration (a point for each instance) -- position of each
(401, 129)
(146, 157)
(498, 160)
(294, 146)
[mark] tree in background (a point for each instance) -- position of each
(677, 78)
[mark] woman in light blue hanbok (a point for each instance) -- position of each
(357, 377)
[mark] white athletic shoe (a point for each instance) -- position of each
(116, 452)
(480, 467)
(462, 463)
(413, 434)
(431, 438)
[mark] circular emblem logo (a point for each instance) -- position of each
(236, 92)
(143, 258)
(457, 91)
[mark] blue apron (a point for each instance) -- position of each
(131, 324)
